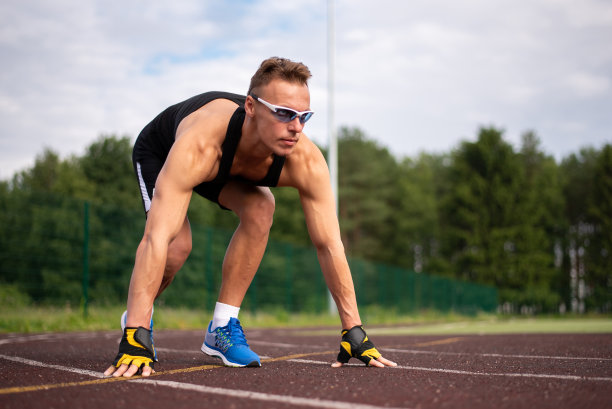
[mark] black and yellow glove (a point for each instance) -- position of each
(136, 348)
(355, 344)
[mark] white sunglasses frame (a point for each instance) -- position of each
(275, 108)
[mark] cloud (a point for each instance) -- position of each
(417, 75)
(446, 70)
(586, 85)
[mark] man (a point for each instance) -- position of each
(229, 149)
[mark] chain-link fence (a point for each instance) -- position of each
(59, 250)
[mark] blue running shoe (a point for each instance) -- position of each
(123, 325)
(229, 344)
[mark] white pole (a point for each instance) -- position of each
(332, 154)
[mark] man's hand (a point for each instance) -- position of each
(136, 352)
(355, 344)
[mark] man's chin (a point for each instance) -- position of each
(284, 151)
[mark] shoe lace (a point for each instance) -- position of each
(234, 333)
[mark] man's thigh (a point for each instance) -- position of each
(236, 196)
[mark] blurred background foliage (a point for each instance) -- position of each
(485, 226)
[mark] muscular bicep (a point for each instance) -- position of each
(319, 206)
(184, 169)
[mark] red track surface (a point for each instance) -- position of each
(493, 371)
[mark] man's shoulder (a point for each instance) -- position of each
(197, 101)
(208, 123)
(304, 165)
(307, 152)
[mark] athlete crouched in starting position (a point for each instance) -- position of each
(229, 149)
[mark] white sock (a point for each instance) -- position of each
(222, 315)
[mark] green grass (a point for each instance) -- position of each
(32, 319)
(504, 325)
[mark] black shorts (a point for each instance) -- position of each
(147, 166)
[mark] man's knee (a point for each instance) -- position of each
(259, 211)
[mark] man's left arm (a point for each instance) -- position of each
(320, 213)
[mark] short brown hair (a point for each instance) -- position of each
(280, 68)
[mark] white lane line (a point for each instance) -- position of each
(512, 375)
(307, 361)
(18, 340)
(179, 351)
(51, 366)
(235, 393)
(193, 351)
(459, 372)
(266, 397)
(54, 337)
(418, 351)
(281, 345)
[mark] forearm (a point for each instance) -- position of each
(145, 282)
(340, 283)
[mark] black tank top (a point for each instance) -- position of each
(159, 135)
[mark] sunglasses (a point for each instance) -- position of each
(285, 114)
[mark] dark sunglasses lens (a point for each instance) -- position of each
(285, 115)
(305, 117)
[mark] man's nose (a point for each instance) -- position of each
(296, 125)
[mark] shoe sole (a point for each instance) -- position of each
(214, 353)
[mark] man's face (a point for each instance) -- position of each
(280, 137)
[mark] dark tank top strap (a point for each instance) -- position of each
(229, 146)
(232, 137)
(271, 179)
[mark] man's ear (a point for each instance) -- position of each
(249, 106)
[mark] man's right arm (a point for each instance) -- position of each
(187, 165)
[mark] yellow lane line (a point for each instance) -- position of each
(296, 356)
(21, 389)
(439, 342)
(33, 388)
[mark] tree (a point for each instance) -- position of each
(420, 185)
(107, 164)
(537, 230)
(598, 276)
(578, 185)
(540, 224)
(367, 196)
(480, 207)
(42, 176)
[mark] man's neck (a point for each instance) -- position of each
(251, 157)
(250, 149)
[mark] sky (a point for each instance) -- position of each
(416, 76)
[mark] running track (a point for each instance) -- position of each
(64, 370)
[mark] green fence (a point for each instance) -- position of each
(59, 250)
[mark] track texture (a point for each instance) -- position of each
(487, 371)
